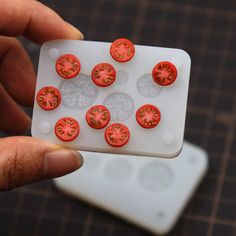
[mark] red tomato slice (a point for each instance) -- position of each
(48, 98)
(148, 116)
(164, 73)
(98, 117)
(122, 50)
(103, 74)
(68, 66)
(117, 135)
(67, 129)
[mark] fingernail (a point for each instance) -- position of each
(61, 162)
(76, 31)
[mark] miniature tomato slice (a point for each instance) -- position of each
(164, 73)
(148, 116)
(48, 98)
(117, 135)
(98, 117)
(67, 129)
(103, 74)
(122, 50)
(68, 66)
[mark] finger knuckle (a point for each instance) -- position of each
(10, 167)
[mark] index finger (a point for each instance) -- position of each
(34, 20)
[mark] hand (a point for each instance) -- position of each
(23, 159)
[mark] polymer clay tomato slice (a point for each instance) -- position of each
(122, 50)
(48, 98)
(148, 116)
(103, 74)
(67, 129)
(68, 66)
(164, 73)
(98, 117)
(117, 135)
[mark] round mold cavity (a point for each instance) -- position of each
(121, 77)
(147, 87)
(120, 105)
(118, 170)
(91, 162)
(78, 93)
(156, 176)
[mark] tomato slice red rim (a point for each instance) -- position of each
(67, 129)
(148, 116)
(164, 73)
(48, 98)
(68, 66)
(117, 135)
(103, 74)
(122, 50)
(98, 117)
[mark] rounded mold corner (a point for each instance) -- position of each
(176, 153)
(186, 54)
(168, 138)
(177, 63)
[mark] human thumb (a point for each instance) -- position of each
(25, 160)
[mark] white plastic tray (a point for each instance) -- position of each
(133, 88)
(149, 192)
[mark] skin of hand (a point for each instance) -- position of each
(25, 160)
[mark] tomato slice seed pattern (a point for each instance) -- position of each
(67, 129)
(68, 66)
(122, 50)
(103, 74)
(164, 73)
(148, 116)
(98, 117)
(117, 135)
(48, 98)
